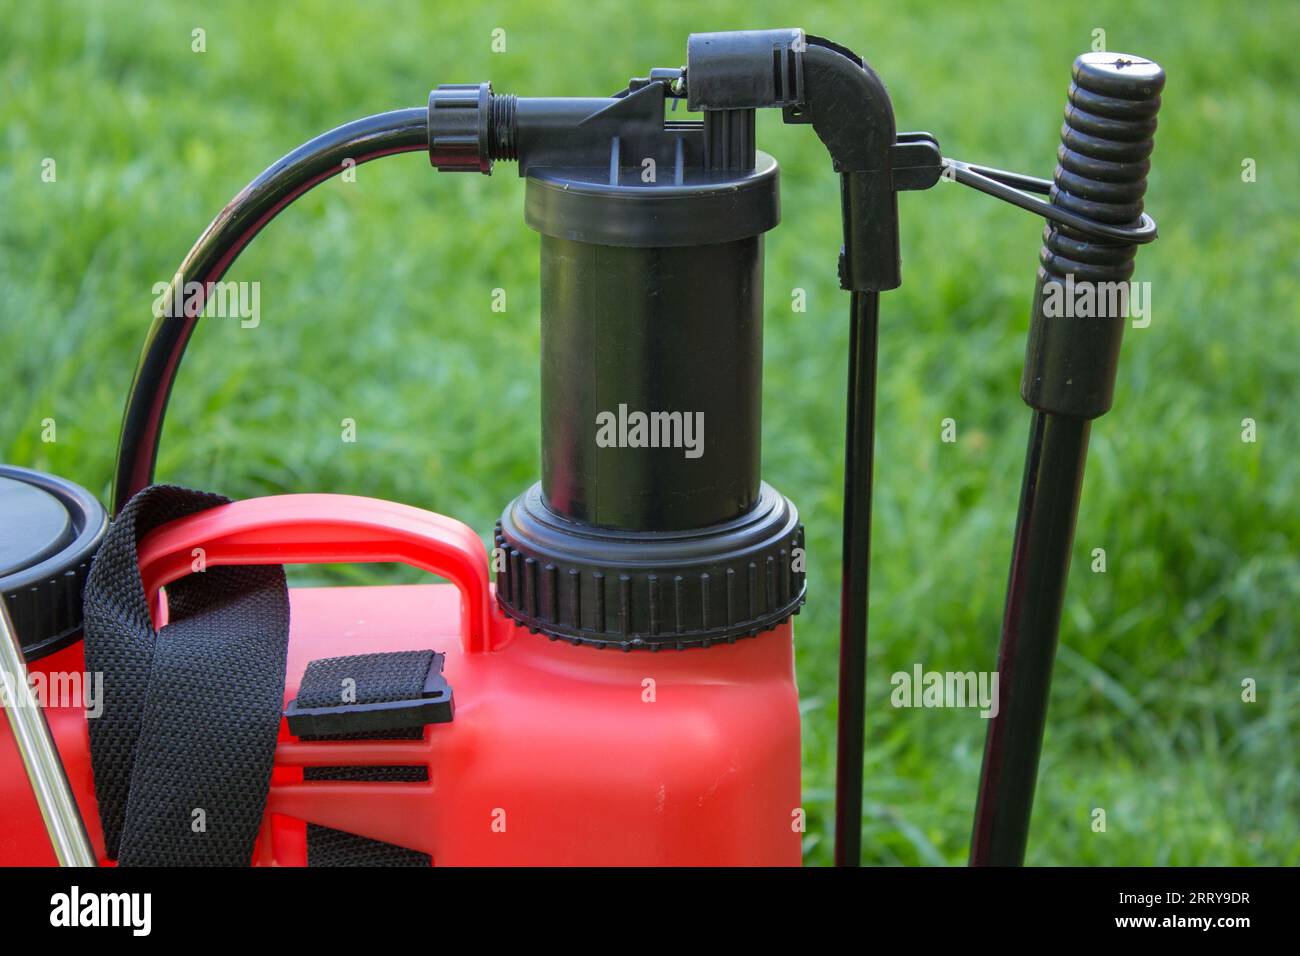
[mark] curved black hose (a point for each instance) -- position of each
(400, 131)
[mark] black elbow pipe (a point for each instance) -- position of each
(851, 113)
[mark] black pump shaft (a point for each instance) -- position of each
(1069, 379)
(855, 562)
(677, 330)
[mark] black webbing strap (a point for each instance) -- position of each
(183, 751)
(351, 683)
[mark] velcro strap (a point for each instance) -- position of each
(365, 695)
(383, 696)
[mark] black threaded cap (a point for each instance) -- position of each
(51, 530)
(650, 590)
(459, 125)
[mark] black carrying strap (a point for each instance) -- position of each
(183, 751)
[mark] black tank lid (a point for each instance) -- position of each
(50, 529)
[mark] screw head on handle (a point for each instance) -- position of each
(1119, 74)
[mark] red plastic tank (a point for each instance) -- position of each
(558, 754)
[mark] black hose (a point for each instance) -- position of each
(400, 131)
(855, 576)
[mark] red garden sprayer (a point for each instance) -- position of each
(505, 717)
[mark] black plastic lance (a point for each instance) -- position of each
(1079, 310)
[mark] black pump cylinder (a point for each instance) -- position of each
(650, 527)
(651, 382)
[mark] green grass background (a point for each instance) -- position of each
(376, 305)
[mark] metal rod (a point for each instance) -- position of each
(36, 746)
(855, 561)
(1007, 187)
(1040, 566)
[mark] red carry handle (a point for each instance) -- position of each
(325, 529)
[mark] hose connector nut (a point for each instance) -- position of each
(459, 124)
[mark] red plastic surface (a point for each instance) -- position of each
(557, 754)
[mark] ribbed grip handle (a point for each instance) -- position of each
(1101, 175)
(1102, 162)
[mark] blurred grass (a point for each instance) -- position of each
(376, 303)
